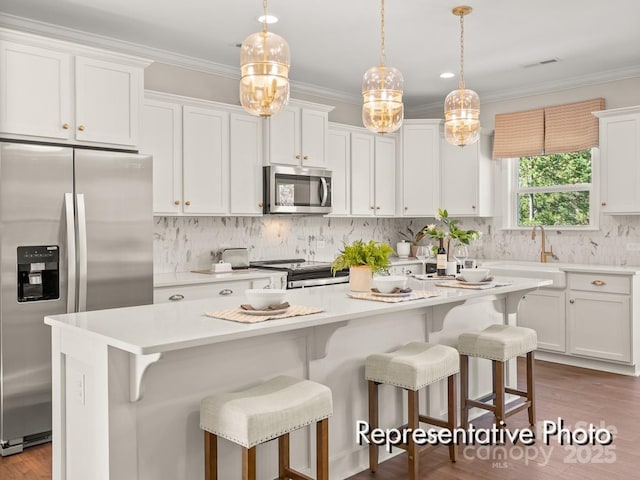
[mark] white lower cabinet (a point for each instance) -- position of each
(212, 290)
(599, 316)
(543, 311)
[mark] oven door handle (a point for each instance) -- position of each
(325, 192)
(316, 282)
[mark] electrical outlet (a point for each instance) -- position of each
(320, 244)
(633, 247)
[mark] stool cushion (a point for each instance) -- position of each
(413, 366)
(266, 411)
(498, 342)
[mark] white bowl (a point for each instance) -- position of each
(387, 283)
(474, 274)
(261, 298)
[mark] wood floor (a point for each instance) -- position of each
(576, 395)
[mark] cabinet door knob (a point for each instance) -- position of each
(177, 297)
(226, 291)
(598, 283)
(188, 202)
(81, 128)
(473, 207)
(65, 126)
(604, 204)
(298, 157)
(572, 301)
(406, 208)
(176, 202)
(306, 157)
(377, 208)
(372, 208)
(261, 204)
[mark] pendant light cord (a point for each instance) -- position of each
(461, 82)
(382, 53)
(264, 16)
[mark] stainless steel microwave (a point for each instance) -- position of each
(296, 190)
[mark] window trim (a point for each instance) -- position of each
(510, 177)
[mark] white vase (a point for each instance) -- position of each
(360, 278)
(452, 268)
(403, 249)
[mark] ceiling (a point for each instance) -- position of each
(333, 42)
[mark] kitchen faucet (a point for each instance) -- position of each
(543, 253)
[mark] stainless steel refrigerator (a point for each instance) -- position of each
(75, 234)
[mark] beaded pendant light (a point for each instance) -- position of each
(264, 71)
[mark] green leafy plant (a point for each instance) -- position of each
(453, 232)
(412, 237)
(372, 254)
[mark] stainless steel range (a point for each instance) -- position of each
(301, 273)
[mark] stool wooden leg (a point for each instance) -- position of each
(249, 463)
(413, 424)
(451, 412)
(373, 423)
(531, 388)
(498, 385)
(464, 391)
(210, 456)
(283, 456)
(322, 449)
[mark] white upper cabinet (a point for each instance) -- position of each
(53, 90)
(373, 174)
(298, 135)
(620, 160)
(246, 161)
(207, 157)
(466, 178)
(419, 168)
(339, 162)
(162, 138)
(205, 166)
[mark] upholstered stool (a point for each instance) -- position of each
(413, 367)
(270, 410)
(498, 343)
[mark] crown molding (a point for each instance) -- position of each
(539, 89)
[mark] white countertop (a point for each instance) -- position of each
(566, 267)
(165, 327)
(191, 278)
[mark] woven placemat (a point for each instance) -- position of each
(239, 315)
(414, 295)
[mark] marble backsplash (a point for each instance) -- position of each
(187, 243)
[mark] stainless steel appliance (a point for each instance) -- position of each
(301, 274)
(296, 190)
(76, 234)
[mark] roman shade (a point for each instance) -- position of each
(571, 127)
(562, 128)
(519, 134)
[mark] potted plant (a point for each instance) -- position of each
(363, 260)
(413, 238)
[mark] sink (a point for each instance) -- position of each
(547, 271)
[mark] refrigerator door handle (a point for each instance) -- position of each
(71, 253)
(82, 253)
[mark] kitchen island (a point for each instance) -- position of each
(127, 383)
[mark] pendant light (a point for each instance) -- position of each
(264, 71)
(462, 106)
(382, 110)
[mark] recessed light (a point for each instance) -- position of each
(447, 75)
(269, 19)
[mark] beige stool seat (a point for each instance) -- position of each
(498, 343)
(267, 411)
(412, 367)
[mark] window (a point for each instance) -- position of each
(554, 190)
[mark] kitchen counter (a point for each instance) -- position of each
(566, 267)
(127, 382)
(192, 278)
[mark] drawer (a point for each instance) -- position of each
(197, 292)
(595, 282)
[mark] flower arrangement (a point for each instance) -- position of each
(454, 232)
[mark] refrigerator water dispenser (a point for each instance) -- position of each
(38, 273)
